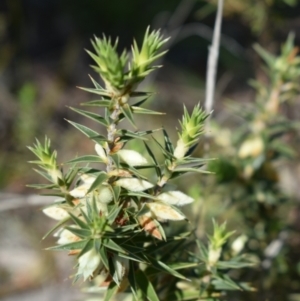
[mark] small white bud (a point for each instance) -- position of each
(214, 256)
(100, 152)
(66, 237)
(88, 263)
(55, 174)
(56, 212)
(124, 99)
(105, 195)
(87, 179)
(133, 184)
(238, 244)
(80, 191)
(175, 198)
(252, 147)
(180, 149)
(165, 212)
(132, 157)
(121, 266)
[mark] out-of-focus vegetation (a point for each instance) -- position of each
(42, 60)
(249, 171)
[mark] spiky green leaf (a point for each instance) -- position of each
(91, 116)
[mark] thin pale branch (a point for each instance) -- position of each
(213, 60)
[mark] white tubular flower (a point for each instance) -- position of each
(81, 191)
(121, 267)
(102, 208)
(66, 237)
(87, 179)
(214, 256)
(100, 152)
(55, 174)
(134, 184)
(88, 263)
(56, 212)
(175, 198)
(165, 212)
(104, 195)
(132, 157)
(239, 244)
(180, 149)
(252, 147)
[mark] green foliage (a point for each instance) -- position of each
(257, 14)
(248, 176)
(119, 74)
(113, 217)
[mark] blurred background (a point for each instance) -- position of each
(42, 60)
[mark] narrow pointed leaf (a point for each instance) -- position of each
(126, 110)
(85, 130)
(91, 115)
(85, 216)
(86, 159)
(139, 103)
(146, 286)
(78, 245)
(78, 221)
(110, 244)
(97, 245)
(139, 194)
(138, 110)
(168, 144)
(71, 175)
(198, 170)
(266, 56)
(140, 93)
(113, 213)
(87, 247)
(98, 181)
(133, 171)
(132, 279)
(166, 154)
(116, 160)
(104, 257)
(125, 134)
(116, 192)
(157, 168)
(53, 193)
(101, 92)
(42, 186)
(163, 267)
(225, 283)
(82, 233)
(98, 103)
(43, 174)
